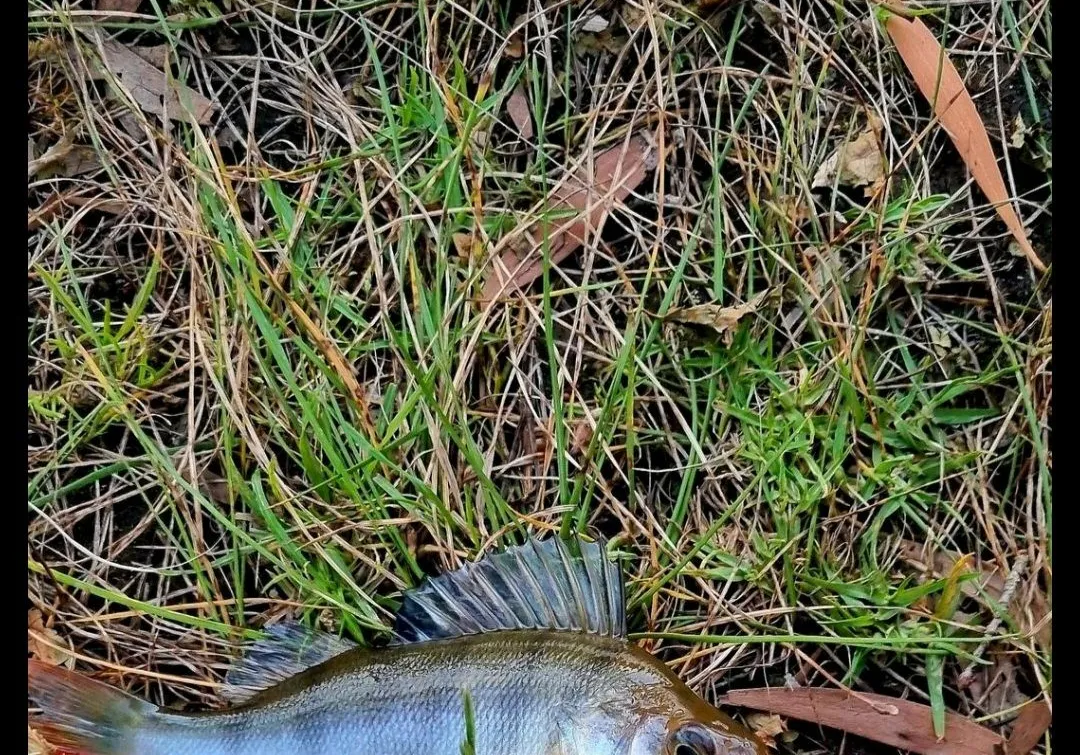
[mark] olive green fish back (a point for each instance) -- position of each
(554, 584)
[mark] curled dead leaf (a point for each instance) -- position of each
(1020, 131)
(857, 162)
(767, 726)
(63, 159)
(515, 46)
(793, 208)
(463, 245)
(43, 643)
(720, 319)
(580, 436)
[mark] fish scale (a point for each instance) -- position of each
(524, 686)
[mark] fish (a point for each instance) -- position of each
(523, 652)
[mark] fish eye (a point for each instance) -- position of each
(692, 739)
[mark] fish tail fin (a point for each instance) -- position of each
(83, 716)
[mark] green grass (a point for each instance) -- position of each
(264, 387)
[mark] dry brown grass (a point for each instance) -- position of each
(259, 385)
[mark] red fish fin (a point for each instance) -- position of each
(82, 716)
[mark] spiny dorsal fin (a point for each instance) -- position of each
(287, 649)
(548, 585)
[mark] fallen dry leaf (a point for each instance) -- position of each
(515, 46)
(720, 319)
(518, 107)
(595, 24)
(1029, 728)
(858, 162)
(793, 208)
(768, 726)
(581, 436)
(995, 689)
(151, 88)
(43, 643)
(910, 728)
(479, 138)
(593, 43)
(58, 202)
(1020, 132)
(939, 338)
(614, 174)
(155, 55)
(215, 488)
(463, 243)
(942, 86)
(1029, 607)
(634, 15)
(64, 159)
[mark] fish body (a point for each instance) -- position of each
(549, 690)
